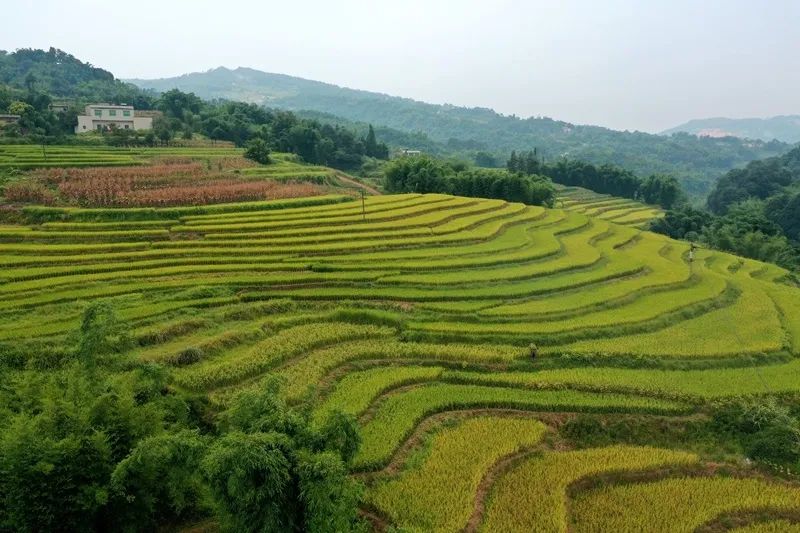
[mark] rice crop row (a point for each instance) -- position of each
(663, 270)
(751, 325)
(647, 307)
(677, 504)
(233, 367)
(532, 496)
(438, 494)
(399, 413)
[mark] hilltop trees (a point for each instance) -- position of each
(773, 180)
(759, 179)
(426, 174)
(661, 190)
(608, 179)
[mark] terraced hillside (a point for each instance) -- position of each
(28, 156)
(90, 176)
(464, 334)
(606, 207)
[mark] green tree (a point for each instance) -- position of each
(160, 480)
(513, 162)
(370, 143)
(20, 108)
(102, 332)
(485, 159)
(327, 493)
(164, 133)
(271, 471)
(250, 476)
(61, 439)
(303, 139)
(661, 190)
(257, 150)
(176, 104)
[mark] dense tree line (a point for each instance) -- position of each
(426, 174)
(282, 131)
(92, 441)
(774, 181)
(608, 179)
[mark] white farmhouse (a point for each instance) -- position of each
(107, 116)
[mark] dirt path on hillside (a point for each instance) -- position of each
(350, 181)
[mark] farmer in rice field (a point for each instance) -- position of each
(534, 350)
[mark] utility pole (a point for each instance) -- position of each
(363, 208)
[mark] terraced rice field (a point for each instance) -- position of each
(420, 315)
(28, 156)
(606, 207)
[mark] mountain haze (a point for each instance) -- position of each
(696, 162)
(785, 128)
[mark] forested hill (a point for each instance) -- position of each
(697, 162)
(785, 128)
(59, 74)
(762, 180)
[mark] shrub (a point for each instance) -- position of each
(766, 430)
(583, 429)
(257, 150)
(188, 356)
(102, 332)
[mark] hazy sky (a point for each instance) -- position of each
(647, 65)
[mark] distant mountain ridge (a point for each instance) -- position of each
(696, 162)
(785, 128)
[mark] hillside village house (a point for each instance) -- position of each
(8, 119)
(107, 116)
(60, 106)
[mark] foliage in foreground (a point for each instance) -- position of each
(270, 472)
(768, 431)
(93, 446)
